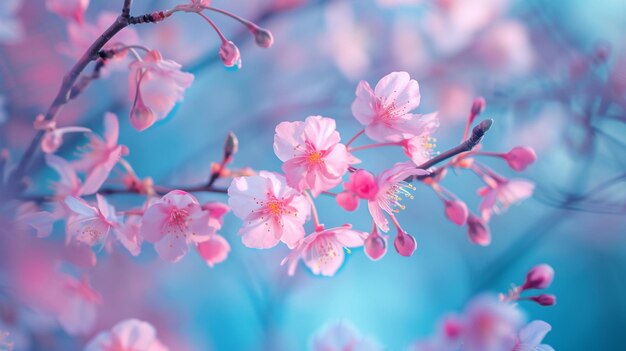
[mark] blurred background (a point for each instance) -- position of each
(554, 77)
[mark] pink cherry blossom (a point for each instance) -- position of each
(29, 215)
(362, 185)
(530, 337)
(11, 28)
(69, 184)
(129, 234)
(322, 251)
(157, 85)
(314, 158)
(386, 111)
(127, 335)
(74, 9)
(420, 148)
(77, 314)
(214, 250)
(502, 193)
(456, 211)
(101, 156)
(477, 231)
(271, 210)
(90, 224)
(53, 137)
(520, 157)
(343, 336)
(540, 277)
(82, 35)
(391, 186)
(489, 324)
(174, 222)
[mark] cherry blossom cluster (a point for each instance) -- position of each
(275, 207)
(488, 323)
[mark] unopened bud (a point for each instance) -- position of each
(404, 243)
(520, 157)
(456, 211)
(540, 277)
(477, 231)
(231, 145)
(263, 37)
(477, 108)
(375, 246)
(544, 299)
(141, 117)
(229, 54)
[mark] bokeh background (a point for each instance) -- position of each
(553, 73)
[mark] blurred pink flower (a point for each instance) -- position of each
(386, 111)
(127, 335)
(540, 277)
(82, 35)
(322, 251)
(520, 157)
(489, 325)
(28, 214)
(102, 155)
(342, 336)
(77, 313)
(73, 9)
(214, 250)
(506, 49)
(90, 224)
(314, 158)
(391, 186)
(271, 210)
(477, 231)
(173, 222)
(361, 185)
(498, 196)
(157, 85)
(456, 211)
(531, 335)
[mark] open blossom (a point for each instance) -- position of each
(342, 336)
(391, 189)
(101, 156)
(74, 9)
(127, 335)
(385, 111)
(489, 324)
(174, 222)
(77, 314)
(420, 147)
(157, 85)
(90, 224)
(271, 210)
(322, 251)
(531, 336)
(498, 196)
(314, 158)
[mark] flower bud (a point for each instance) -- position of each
(347, 200)
(540, 277)
(520, 157)
(456, 211)
(477, 108)
(231, 145)
(477, 231)
(51, 142)
(404, 243)
(375, 246)
(263, 37)
(363, 184)
(141, 117)
(229, 54)
(544, 299)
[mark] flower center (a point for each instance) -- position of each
(393, 196)
(275, 207)
(314, 157)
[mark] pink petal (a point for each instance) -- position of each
(347, 201)
(172, 248)
(215, 250)
(364, 104)
(152, 222)
(289, 135)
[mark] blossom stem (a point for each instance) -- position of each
(316, 220)
(477, 134)
(217, 30)
(371, 146)
(355, 137)
(13, 186)
(251, 26)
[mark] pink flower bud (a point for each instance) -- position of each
(520, 157)
(347, 200)
(51, 142)
(477, 231)
(263, 37)
(456, 211)
(141, 117)
(363, 184)
(231, 145)
(375, 246)
(544, 299)
(229, 54)
(540, 277)
(405, 243)
(452, 328)
(477, 108)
